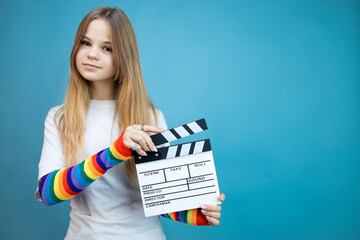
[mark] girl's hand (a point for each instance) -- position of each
(212, 212)
(137, 136)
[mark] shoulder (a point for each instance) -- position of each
(160, 114)
(50, 117)
(52, 112)
(161, 122)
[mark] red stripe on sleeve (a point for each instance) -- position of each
(121, 147)
(96, 165)
(201, 219)
(66, 186)
(176, 216)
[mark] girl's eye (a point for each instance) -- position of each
(85, 43)
(108, 49)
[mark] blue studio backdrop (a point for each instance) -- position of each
(277, 81)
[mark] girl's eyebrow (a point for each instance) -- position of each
(87, 38)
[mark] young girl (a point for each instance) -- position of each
(106, 105)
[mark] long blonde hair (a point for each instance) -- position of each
(133, 105)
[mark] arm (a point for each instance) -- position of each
(61, 185)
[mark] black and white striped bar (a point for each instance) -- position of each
(179, 132)
(174, 151)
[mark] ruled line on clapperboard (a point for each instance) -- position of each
(182, 191)
(181, 198)
(176, 185)
(176, 166)
(153, 189)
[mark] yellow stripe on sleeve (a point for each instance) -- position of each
(117, 154)
(172, 215)
(56, 186)
(87, 170)
(62, 187)
(189, 216)
(92, 167)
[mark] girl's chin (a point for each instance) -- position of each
(97, 80)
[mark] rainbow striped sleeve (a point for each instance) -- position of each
(193, 217)
(61, 185)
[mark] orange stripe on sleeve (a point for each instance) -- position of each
(96, 165)
(92, 168)
(61, 185)
(194, 216)
(65, 184)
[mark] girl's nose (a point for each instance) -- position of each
(93, 54)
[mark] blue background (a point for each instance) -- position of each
(277, 81)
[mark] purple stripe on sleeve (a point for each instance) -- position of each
(75, 181)
(99, 161)
(43, 198)
(104, 159)
(70, 182)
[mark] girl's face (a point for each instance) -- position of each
(94, 58)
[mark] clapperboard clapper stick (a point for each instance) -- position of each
(177, 177)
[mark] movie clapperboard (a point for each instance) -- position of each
(178, 177)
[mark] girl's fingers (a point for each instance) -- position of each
(148, 128)
(212, 212)
(216, 215)
(212, 221)
(139, 134)
(142, 139)
(131, 138)
(148, 144)
(139, 149)
(222, 197)
(211, 208)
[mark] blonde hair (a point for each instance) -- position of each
(133, 105)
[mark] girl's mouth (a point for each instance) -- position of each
(90, 66)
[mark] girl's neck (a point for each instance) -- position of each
(102, 90)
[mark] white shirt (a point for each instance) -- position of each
(109, 208)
